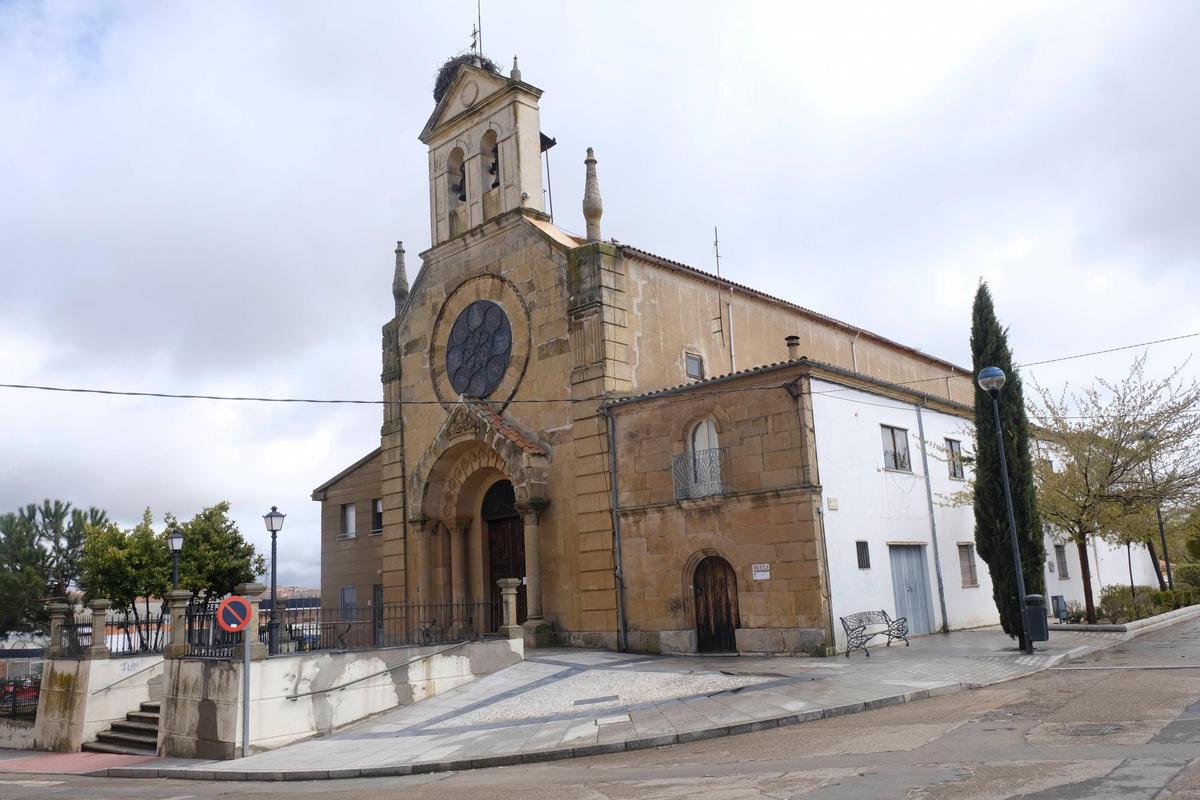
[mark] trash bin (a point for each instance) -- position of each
(1035, 618)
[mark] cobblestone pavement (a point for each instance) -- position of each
(563, 703)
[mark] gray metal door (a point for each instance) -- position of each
(910, 583)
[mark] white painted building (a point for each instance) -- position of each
(890, 471)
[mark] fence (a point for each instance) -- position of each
(76, 636)
(129, 633)
(204, 637)
(699, 473)
(382, 625)
(19, 697)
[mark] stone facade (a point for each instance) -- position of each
(351, 559)
(473, 400)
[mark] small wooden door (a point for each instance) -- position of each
(715, 588)
(506, 559)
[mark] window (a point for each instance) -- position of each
(864, 555)
(705, 459)
(1060, 555)
(377, 516)
(966, 565)
(695, 366)
(955, 459)
(895, 449)
(348, 527)
(349, 603)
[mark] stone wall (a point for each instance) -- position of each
(201, 710)
(16, 734)
(80, 698)
(354, 561)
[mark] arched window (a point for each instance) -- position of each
(489, 162)
(456, 178)
(706, 459)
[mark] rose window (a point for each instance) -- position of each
(478, 350)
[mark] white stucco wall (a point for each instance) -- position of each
(863, 501)
(1109, 565)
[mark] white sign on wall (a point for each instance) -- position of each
(760, 572)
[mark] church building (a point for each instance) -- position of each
(670, 462)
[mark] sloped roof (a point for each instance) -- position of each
(321, 489)
(506, 427)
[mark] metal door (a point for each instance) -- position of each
(715, 591)
(910, 583)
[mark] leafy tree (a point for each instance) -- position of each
(22, 580)
(125, 566)
(989, 347)
(59, 529)
(1100, 445)
(215, 556)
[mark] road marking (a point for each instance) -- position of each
(32, 784)
(1149, 666)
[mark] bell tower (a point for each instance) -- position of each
(484, 144)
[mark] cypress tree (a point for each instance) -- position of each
(989, 347)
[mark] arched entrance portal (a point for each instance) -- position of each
(715, 586)
(505, 546)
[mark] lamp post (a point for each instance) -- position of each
(1148, 437)
(274, 523)
(175, 542)
(991, 380)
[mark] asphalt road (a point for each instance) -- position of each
(1122, 724)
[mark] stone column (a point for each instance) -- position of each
(458, 573)
(533, 563)
(258, 649)
(58, 615)
(425, 564)
(177, 603)
(508, 602)
(99, 647)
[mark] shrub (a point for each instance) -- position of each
(1118, 605)
(1076, 613)
(1186, 573)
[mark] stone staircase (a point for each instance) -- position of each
(137, 735)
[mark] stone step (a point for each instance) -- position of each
(104, 747)
(148, 717)
(152, 706)
(137, 727)
(147, 743)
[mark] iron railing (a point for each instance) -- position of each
(382, 625)
(700, 473)
(19, 697)
(129, 633)
(76, 636)
(203, 636)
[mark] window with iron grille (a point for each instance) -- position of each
(895, 449)
(377, 516)
(348, 522)
(1060, 555)
(349, 603)
(966, 565)
(955, 458)
(697, 473)
(864, 555)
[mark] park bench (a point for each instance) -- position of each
(864, 626)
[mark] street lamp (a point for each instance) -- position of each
(991, 380)
(175, 542)
(274, 523)
(1148, 437)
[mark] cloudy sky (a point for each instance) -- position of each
(200, 197)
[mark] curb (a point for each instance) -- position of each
(1135, 627)
(643, 743)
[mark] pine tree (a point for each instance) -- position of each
(989, 347)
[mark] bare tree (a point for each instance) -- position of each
(1098, 448)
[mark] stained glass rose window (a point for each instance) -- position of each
(479, 348)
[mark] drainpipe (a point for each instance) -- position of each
(828, 593)
(937, 558)
(618, 574)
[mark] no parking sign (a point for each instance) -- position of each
(235, 614)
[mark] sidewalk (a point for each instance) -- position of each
(563, 703)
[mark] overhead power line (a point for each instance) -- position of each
(381, 402)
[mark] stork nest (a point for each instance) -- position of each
(445, 75)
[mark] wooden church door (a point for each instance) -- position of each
(715, 588)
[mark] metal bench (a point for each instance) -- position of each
(858, 635)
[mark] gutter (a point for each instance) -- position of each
(618, 574)
(937, 558)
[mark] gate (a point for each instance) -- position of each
(715, 588)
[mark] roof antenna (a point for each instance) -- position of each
(479, 24)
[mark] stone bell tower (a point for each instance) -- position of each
(484, 146)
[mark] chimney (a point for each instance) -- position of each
(793, 345)
(592, 207)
